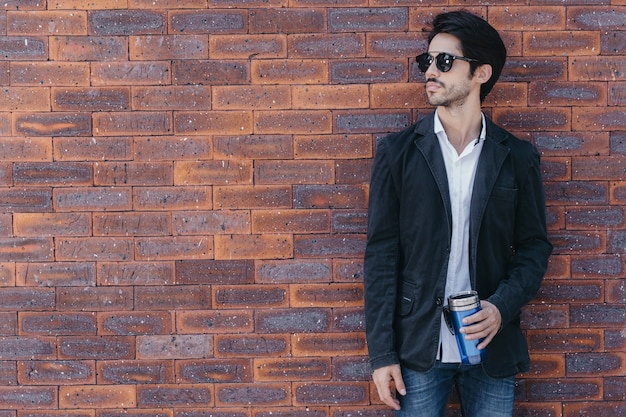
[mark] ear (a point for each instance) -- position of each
(483, 73)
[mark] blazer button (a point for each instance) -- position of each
(439, 301)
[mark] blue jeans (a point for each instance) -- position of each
(480, 395)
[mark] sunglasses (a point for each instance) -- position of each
(443, 61)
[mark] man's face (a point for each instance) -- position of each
(451, 88)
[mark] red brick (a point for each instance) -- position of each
(92, 149)
(57, 323)
(213, 222)
(52, 124)
(214, 371)
(127, 22)
(167, 47)
(285, 20)
(368, 19)
(171, 98)
(180, 346)
(171, 395)
(26, 149)
(612, 42)
(80, 4)
(133, 173)
(55, 274)
(213, 123)
(49, 73)
(7, 277)
(27, 249)
(52, 174)
(25, 99)
(252, 197)
(329, 97)
(135, 372)
(294, 221)
(293, 121)
(330, 196)
(353, 171)
(292, 369)
(289, 71)
(546, 366)
(173, 248)
(134, 73)
(178, 297)
(347, 270)
(251, 97)
(100, 396)
(332, 344)
(592, 119)
(132, 224)
(56, 372)
(132, 123)
(215, 321)
(135, 323)
(85, 48)
(397, 96)
(597, 68)
(225, 172)
(91, 249)
(258, 246)
(258, 394)
(156, 148)
(46, 23)
(172, 198)
(135, 273)
(51, 224)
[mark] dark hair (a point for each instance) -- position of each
(479, 40)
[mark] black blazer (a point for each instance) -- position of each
(408, 244)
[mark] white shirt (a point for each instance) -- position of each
(461, 170)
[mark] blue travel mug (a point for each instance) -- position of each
(461, 305)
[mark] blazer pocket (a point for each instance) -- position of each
(502, 193)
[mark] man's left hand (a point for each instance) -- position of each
(484, 324)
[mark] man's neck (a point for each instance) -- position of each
(462, 125)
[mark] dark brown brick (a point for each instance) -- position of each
(52, 174)
(132, 224)
(209, 21)
(57, 323)
(27, 249)
(592, 408)
(90, 249)
(576, 192)
(169, 47)
(179, 395)
(215, 321)
(251, 345)
(25, 397)
(292, 369)
(135, 323)
(557, 291)
(47, 23)
(570, 389)
(571, 340)
(300, 320)
(94, 299)
(275, 394)
(339, 45)
(593, 364)
(23, 48)
(96, 347)
(329, 245)
(172, 298)
(331, 393)
(172, 198)
(210, 72)
(51, 224)
(214, 371)
(354, 368)
(98, 198)
(56, 372)
(135, 73)
(28, 348)
(135, 273)
(135, 372)
(250, 296)
(229, 272)
(291, 271)
(285, 20)
(126, 22)
(212, 222)
(92, 149)
(91, 99)
(598, 315)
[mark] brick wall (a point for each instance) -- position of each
(183, 187)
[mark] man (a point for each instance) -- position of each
(456, 203)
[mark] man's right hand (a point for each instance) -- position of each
(383, 379)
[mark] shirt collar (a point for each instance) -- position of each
(483, 132)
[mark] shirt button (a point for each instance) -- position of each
(439, 301)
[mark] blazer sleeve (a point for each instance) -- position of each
(381, 261)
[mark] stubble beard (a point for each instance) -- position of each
(454, 96)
